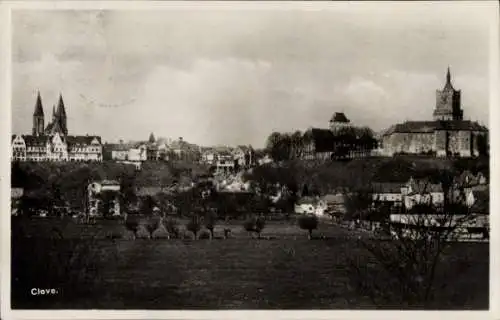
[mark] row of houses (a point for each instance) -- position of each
(227, 160)
(469, 189)
(56, 147)
(224, 159)
(152, 150)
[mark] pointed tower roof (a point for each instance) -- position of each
(38, 106)
(60, 107)
(54, 111)
(152, 138)
(448, 84)
(339, 117)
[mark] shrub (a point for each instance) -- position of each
(194, 226)
(260, 223)
(210, 221)
(114, 235)
(308, 223)
(227, 232)
(172, 227)
(160, 233)
(128, 235)
(132, 225)
(255, 224)
(205, 234)
(142, 232)
(151, 225)
(249, 225)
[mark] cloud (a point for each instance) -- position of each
(233, 76)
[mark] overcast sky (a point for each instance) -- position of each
(233, 76)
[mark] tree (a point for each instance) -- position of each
(305, 190)
(366, 139)
(236, 166)
(403, 271)
(152, 224)
(279, 146)
(147, 205)
(248, 158)
(255, 224)
(151, 138)
(210, 221)
(357, 203)
(260, 223)
(194, 225)
(132, 224)
(308, 223)
(297, 145)
(307, 139)
(172, 227)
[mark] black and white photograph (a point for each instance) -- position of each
(249, 156)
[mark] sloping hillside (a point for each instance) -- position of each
(329, 176)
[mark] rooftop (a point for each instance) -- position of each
(431, 126)
(339, 117)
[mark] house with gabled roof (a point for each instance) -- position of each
(244, 156)
(388, 192)
(422, 191)
(104, 191)
(311, 205)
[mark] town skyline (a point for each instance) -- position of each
(235, 81)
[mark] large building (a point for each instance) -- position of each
(341, 140)
(52, 142)
(447, 135)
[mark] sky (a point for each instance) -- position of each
(232, 75)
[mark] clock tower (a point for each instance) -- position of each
(448, 102)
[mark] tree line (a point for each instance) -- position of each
(293, 145)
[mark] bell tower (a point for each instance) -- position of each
(448, 105)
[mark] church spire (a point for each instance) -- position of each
(38, 117)
(448, 84)
(61, 115)
(60, 107)
(38, 106)
(151, 138)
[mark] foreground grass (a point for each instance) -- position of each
(286, 272)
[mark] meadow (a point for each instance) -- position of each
(283, 270)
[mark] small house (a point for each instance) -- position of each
(311, 205)
(335, 203)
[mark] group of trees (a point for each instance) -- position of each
(65, 184)
(289, 146)
(207, 222)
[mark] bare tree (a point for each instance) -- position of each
(402, 271)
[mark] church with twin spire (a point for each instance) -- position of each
(59, 123)
(52, 142)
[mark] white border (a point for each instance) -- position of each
(5, 127)
(494, 167)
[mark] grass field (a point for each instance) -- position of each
(282, 271)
